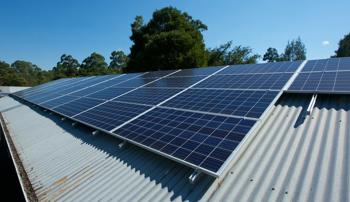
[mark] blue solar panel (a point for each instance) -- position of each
(150, 96)
(275, 67)
(77, 106)
(322, 82)
(274, 81)
(58, 101)
(109, 93)
(98, 87)
(136, 82)
(110, 114)
(197, 139)
(176, 82)
(203, 71)
(324, 76)
(231, 102)
(157, 74)
(200, 126)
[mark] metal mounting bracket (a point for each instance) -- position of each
(74, 124)
(95, 132)
(194, 176)
(122, 144)
(312, 104)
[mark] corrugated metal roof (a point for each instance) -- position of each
(293, 157)
(290, 158)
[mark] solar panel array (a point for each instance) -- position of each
(195, 116)
(324, 76)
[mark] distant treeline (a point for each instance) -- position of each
(172, 39)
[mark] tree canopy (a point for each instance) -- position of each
(295, 50)
(344, 47)
(226, 54)
(171, 39)
(118, 60)
(66, 67)
(93, 65)
(271, 55)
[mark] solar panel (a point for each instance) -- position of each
(202, 140)
(109, 93)
(175, 82)
(110, 114)
(203, 71)
(58, 101)
(149, 96)
(323, 76)
(247, 81)
(76, 106)
(194, 116)
(276, 67)
(230, 102)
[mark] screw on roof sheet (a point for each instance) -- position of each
(286, 192)
(251, 180)
(273, 189)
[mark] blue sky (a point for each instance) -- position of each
(41, 31)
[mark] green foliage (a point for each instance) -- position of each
(170, 40)
(22, 73)
(66, 67)
(271, 55)
(93, 65)
(228, 55)
(344, 47)
(295, 50)
(118, 60)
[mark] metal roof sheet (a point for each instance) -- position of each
(291, 157)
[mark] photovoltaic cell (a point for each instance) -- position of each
(275, 67)
(175, 82)
(331, 64)
(322, 82)
(327, 76)
(58, 101)
(110, 114)
(231, 102)
(247, 81)
(109, 93)
(136, 82)
(150, 96)
(157, 74)
(199, 139)
(203, 71)
(77, 106)
(98, 87)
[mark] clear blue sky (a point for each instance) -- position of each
(40, 31)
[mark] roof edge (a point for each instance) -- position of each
(26, 186)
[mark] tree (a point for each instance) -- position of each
(271, 55)
(344, 47)
(66, 67)
(31, 73)
(295, 50)
(170, 40)
(118, 60)
(94, 65)
(225, 55)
